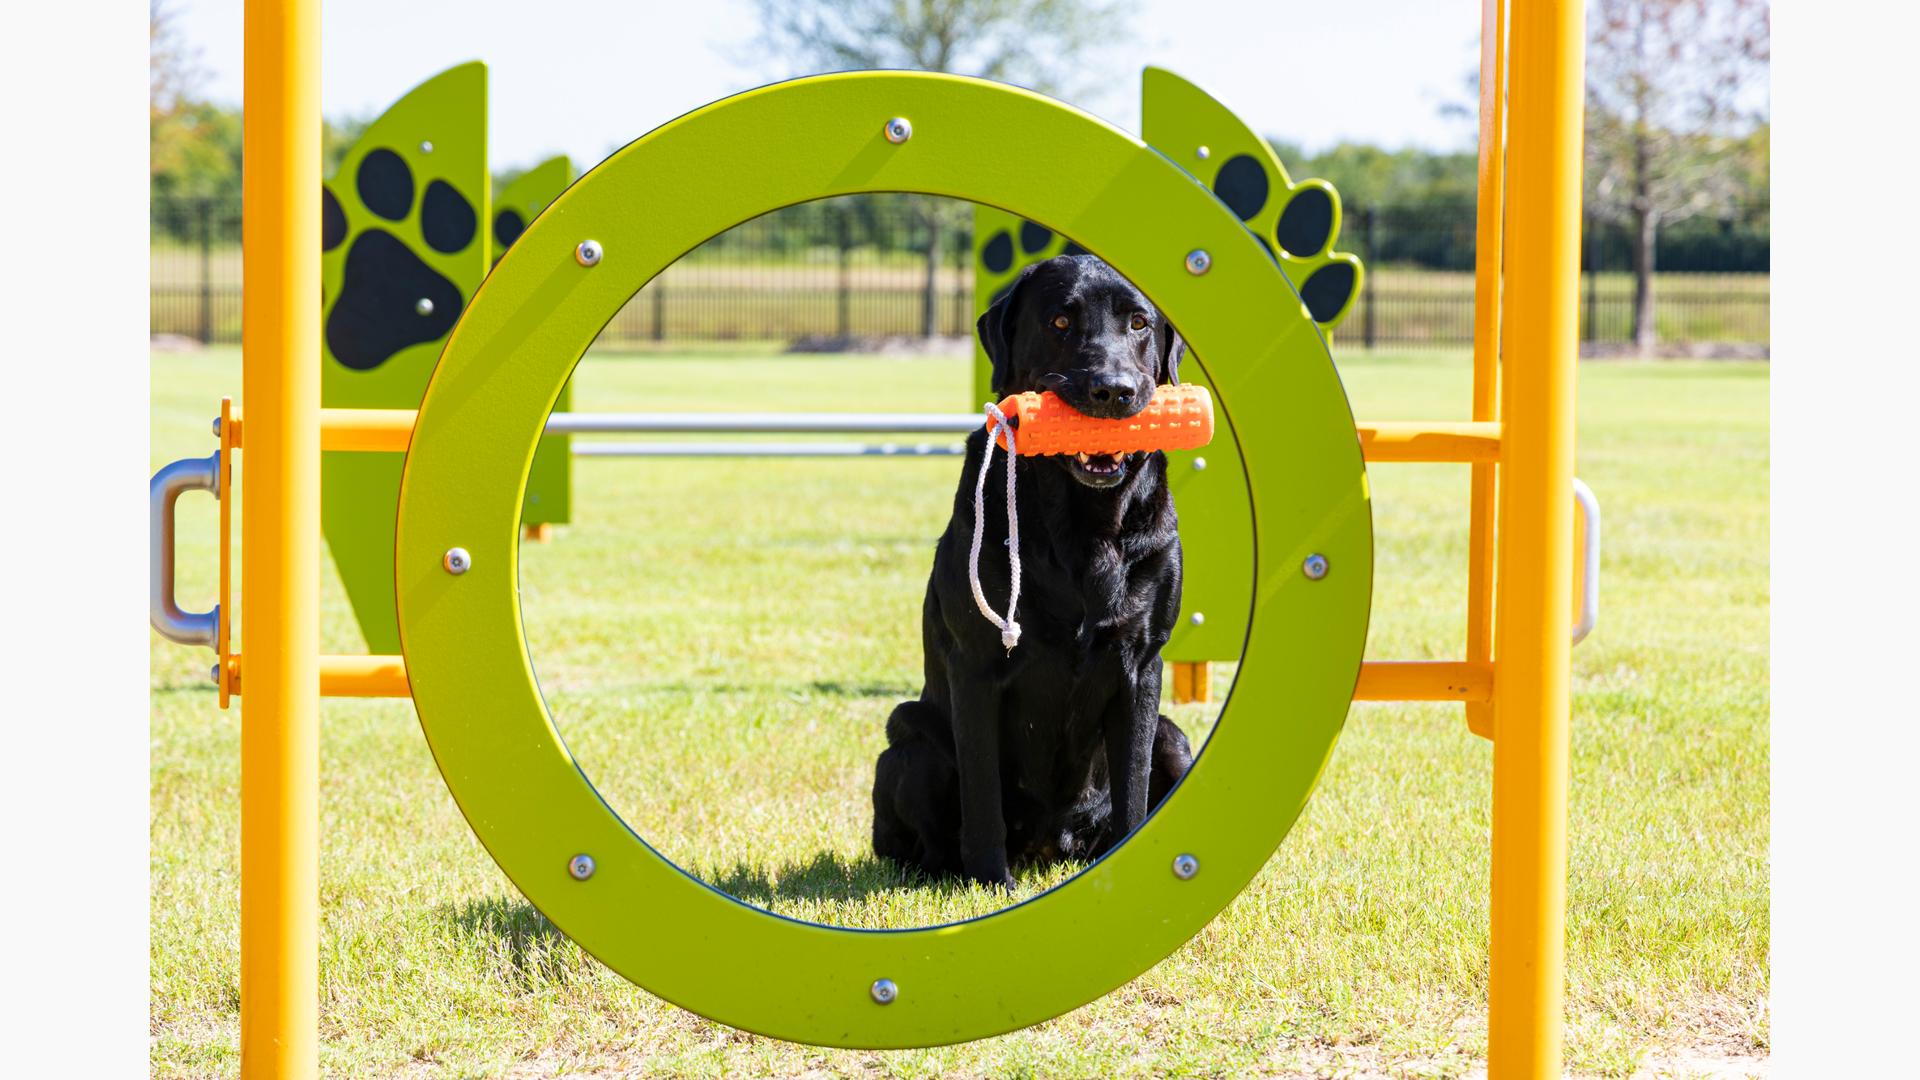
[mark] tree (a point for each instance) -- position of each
(1367, 175)
(338, 135)
(1035, 43)
(173, 67)
(1675, 93)
(194, 145)
(185, 137)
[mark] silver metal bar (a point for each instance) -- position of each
(793, 423)
(766, 449)
(184, 627)
(1588, 506)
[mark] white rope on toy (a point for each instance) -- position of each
(1009, 629)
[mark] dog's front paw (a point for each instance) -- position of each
(1001, 884)
(990, 871)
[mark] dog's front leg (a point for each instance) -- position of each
(976, 736)
(1130, 720)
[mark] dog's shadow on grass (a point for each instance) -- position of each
(826, 877)
(830, 688)
(538, 952)
(868, 689)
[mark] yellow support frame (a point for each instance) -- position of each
(1489, 219)
(280, 527)
(1380, 680)
(1534, 562)
(1522, 529)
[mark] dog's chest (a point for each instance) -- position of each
(1074, 594)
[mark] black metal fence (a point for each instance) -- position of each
(194, 269)
(889, 266)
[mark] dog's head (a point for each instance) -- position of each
(1074, 326)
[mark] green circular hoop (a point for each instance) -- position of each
(505, 364)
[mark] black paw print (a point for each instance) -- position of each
(507, 227)
(1000, 262)
(1298, 229)
(1035, 240)
(1304, 229)
(390, 299)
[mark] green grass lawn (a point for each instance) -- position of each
(721, 641)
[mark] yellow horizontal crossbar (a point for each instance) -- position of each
(350, 676)
(1380, 680)
(1424, 680)
(367, 430)
(1429, 440)
(388, 431)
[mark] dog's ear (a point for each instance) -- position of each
(1172, 348)
(996, 327)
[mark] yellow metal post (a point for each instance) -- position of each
(280, 537)
(1192, 681)
(1535, 559)
(1488, 226)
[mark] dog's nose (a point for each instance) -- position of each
(1114, 392)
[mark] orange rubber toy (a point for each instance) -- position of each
(1178, 418)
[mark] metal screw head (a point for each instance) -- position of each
(1198, 618)
(216, 427)
(457, 561)
(899, 130)
(588, 253)
(580, 867)
(216, 674)
(1315, 567)
(426, 147)
(883, 991)
(423, 306)
(1203, 153)
(1185, 866)
(1199, 464)
(1199, 262)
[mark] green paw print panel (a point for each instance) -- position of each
(404, 247)
(1297, 223)
(549, 498)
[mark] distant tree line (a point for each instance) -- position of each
(1677, 165)
(195, 144)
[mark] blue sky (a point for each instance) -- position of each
(584, 77)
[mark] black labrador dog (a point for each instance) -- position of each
(1056, 748)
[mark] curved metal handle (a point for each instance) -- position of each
(185, 627)
(1588, 508)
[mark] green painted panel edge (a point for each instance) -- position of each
(549, 499)
(440, 130)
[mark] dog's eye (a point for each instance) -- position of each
(1061, 322)
(1139, 322)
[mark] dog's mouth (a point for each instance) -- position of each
(1098, 470)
